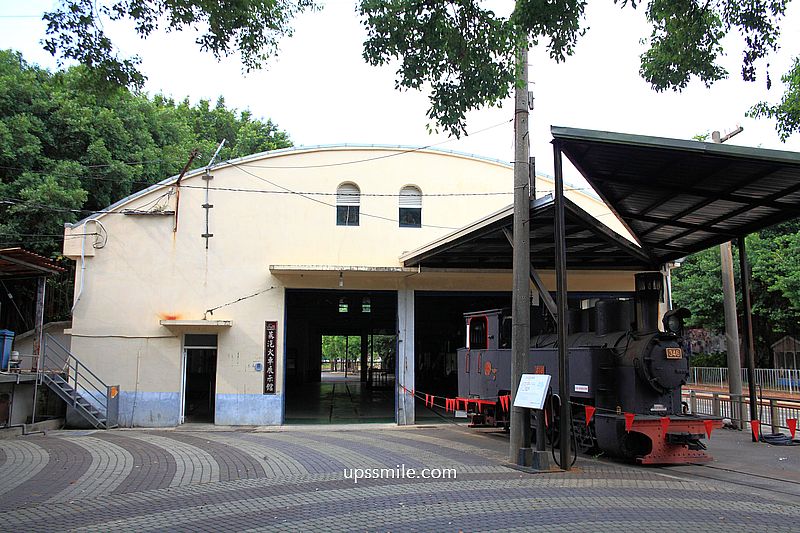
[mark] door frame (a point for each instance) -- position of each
(184, 359)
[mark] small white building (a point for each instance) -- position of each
(221, 286)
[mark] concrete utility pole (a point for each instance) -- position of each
(521, 299)
(731, 326)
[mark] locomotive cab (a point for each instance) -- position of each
(620, 363)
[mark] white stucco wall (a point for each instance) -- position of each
(144, 272)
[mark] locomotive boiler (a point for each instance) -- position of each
(620, 363)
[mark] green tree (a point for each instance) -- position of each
(775, 275)
(786, 113)
(251, 27)
(69, 146)
(464, 52)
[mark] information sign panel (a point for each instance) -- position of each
(532, 391)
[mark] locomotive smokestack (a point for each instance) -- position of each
(649, 289)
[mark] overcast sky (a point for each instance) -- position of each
(322, 92)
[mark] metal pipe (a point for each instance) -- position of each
(565, 422)
(83, 266)
(747, 326)
(83, 258)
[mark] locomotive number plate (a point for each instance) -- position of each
(674, 353)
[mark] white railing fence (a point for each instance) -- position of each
(772, 412)
(771, 379)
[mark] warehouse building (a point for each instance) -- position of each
(208, 297)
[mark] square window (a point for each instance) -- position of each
(347, 215)
(410, 217)
(343, 306)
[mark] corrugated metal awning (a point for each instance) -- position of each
(590, 244)
(20, 263)
(678, 197)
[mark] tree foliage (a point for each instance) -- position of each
(68, 147)
(251, 27)
(786, 113)
(459, 49)
(466, 52)
(775, 276)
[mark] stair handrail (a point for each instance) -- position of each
(80, 369)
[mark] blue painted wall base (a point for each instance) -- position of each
(248, 409)
(149, 409)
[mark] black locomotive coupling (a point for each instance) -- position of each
(692, 440)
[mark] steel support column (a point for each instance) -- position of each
(747, 330)
(565, 422)
(404, 374)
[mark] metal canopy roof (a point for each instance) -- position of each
(20, 263)
(483, 244)
(678, 197)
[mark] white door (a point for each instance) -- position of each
(183, 386)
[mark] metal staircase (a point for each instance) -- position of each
(78, 386)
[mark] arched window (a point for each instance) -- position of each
(410, 207)
(348, 198)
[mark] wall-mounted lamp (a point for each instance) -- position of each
(341, 280)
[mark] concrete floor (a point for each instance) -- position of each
(338, 400)
(301, 478)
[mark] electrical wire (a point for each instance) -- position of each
(308, 197)
(211, 311)
(369, 159)
(552, 433)
(375, 195)
(341, 163)
(14, 303)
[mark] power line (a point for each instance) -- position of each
(341, 163)
(42, 207)
(104, 165)
(377, 195)
(45, 234)
(307, 197)
(368, 159)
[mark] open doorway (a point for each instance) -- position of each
(340, 356)
(199, 378)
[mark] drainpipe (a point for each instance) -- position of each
(83, 260)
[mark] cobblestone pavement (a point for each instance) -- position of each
(294, 480)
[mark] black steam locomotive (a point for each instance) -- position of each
(619, 362)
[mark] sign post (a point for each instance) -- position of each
(532, 394)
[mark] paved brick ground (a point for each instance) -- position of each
(294, 480)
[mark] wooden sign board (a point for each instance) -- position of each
(270, 357)
(532, 391)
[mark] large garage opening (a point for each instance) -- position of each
(440, 330)
(341, 353)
